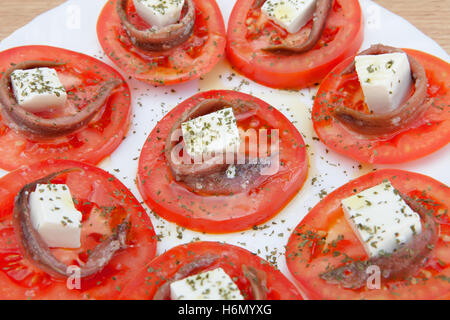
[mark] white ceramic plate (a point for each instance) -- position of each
(73, 26)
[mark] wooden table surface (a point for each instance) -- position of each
(430, 16)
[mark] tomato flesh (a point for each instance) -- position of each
(104, 203)
(197, 56)
(428, 134)
(325, 239)
(82, 76)
(249, 31)
(232, 259)
(223, 212)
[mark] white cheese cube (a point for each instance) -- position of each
(385, 80)
(292, 15)
(38, 89)
(210, 285)
(381, 219)
(54, 216)
(216, 132)
(159, 13)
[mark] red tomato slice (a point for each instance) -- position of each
(104, 202)
(194, 58)
(430, 133)
(324, 238)
(222, 213)
(156, 273)
(249, 31)
(82, 76)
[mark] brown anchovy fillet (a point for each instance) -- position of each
(158, 39)
(401, 264)
(258, 282)
(163, 292)
(323, 9)
(36, 250)
(248, 176)
(394, 121)
(34, 125)
(209, 166)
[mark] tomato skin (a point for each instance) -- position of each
(151, 277)
(294, 71)
(89, 184)
(427, 135)
(82, 76)
(326, 221)
(220, 213)
(189, 61)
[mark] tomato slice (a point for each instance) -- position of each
(430, 133)
(104, 202)
(156, 273)
(325, 239)
(194, 58)
(82, 77)
(221, 213)
(249, 30)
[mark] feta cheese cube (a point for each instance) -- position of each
(216, 132)
(385, 80)
(381, 219)
(38, 89)
(210, 285)
(292, 15)
(54, 216)
(159, 13)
